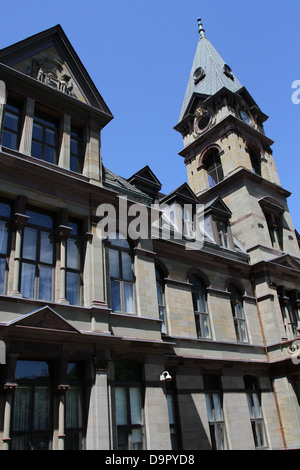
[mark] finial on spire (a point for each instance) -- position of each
(201, 30)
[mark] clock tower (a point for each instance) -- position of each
(228, 155)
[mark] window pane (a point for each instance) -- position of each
(21, 415)
(217, 407)
(50, 136)
(29, 243)
(38, 218)
(73, 408)
(46, 249)
(2, 274)
(49, 154)
(137, 439)
(36, 149)
(73, 254)
(128, 298)
(41, 408)
(114, 268)
(3, 237)
(121, 406)
(37, 131)
(135, 405)
(9, 140)
(73, 288)
(4, 209)
(122, 439)
(31, 370)
(126, 267)
(27, 280)
(115, 296)
(11, 121)
(45, 283)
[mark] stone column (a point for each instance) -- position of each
(20, 222)
(156, 408)
(26, 136)
(9, 387)
(63, 233)
(64, 154)
(92, 158)
(98, 429)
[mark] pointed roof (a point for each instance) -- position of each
(209, 72)
(49, 58)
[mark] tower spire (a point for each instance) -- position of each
(201, 30)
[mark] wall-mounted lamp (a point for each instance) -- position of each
(165, 376)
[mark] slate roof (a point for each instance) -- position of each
(212, 64)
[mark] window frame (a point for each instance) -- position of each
(37, 261)
(46, 122)
(213, 167)
(132, 381)
(253, 394)
(122, 281)
(238, 314)
(160, 290)
(202, 318)
(217, 427)
(17, 111)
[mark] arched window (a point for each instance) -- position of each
(254, 404)
(255, 162)
(160, 289)
(238, 314)
(121, 274)
(200, 307)
(213, 167)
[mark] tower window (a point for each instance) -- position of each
(255, 162)
(214, 168)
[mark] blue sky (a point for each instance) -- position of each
(139, 55)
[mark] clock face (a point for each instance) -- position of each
(245, 117)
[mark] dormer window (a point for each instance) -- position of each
(222, 227)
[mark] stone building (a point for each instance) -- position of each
(118, 337)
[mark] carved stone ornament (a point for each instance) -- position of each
(51, 72)
(200, 112)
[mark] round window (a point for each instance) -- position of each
(203, 122)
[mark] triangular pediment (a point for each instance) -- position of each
(287, 261)
(218, 207)
(49, 58)
(183, 194)
(45, 318)
(146, 181)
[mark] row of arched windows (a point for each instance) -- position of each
(122, 292)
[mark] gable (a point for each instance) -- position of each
(44, 318)
(49, 58)
(287, 261)
(183, 194)
(217, 207)
(146, 181)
